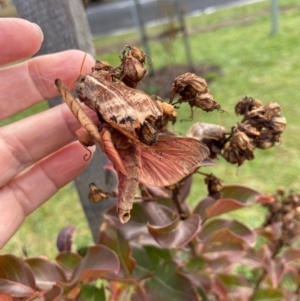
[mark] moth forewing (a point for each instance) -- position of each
(119, 105)
(79, 113)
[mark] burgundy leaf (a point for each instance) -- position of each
(170, 284)
(15, 289)
(241, 193)
(177, 233)
(112, 238)
(46, 273)
(16, 270)
(226, 205)
(141, 212)
(275, 271)
(185, 188)
(203, 205)
(290, 255)
(221, 230)
(53, 293)
(64, 239)
(98, 262)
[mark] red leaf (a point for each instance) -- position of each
(203, 205)
(97, 263)
(221, 230)
(226, 205)
(177, 233)
(64, 239)
(52, 294)
(16, 270)
(241, 193)
(46, 273)
(15, 289)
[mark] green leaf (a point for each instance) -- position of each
(236, 284)
(16, 270)
(68, 261)
(177, 233)
(158, 255)
(170, 284)
(111, 237)
(270, 294)
(91, 293)
(98, 262)
(46, 273)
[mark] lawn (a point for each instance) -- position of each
(253, 63)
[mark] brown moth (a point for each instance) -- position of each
(129, 138)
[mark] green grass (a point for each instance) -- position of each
(253, 63)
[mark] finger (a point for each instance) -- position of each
(19, 39)
(25, 84)
(33, 187)
(27, 141)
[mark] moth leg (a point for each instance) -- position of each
(111, 151)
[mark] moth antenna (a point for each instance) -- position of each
(80, 72)
(88, 156)
(47, 79)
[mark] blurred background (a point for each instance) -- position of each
(240, 47)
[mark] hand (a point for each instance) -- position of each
(43, 142)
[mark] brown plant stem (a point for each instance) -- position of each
(175, 192)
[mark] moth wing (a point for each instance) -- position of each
(125, 107)
(171, 159)
(111, 151)
(79, 113)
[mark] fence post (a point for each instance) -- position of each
(65, 26)
(275, 16)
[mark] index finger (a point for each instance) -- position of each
(25, 84)
(19, 39)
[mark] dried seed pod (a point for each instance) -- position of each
(272, 109)
(232, 156)
(137, 53)
(132, 71)
(241, 142)
(247, 104)
(102, 66)
(248, 129)
(205, 102)
(278, 123)
(214, 186)
(194, 90)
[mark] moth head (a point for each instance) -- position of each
(84, 87)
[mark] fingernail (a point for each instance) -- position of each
(39, 29)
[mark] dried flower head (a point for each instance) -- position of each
(194, 90)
